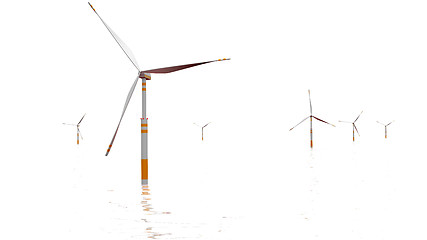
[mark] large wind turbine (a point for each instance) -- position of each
(354, 125)
(79, 134)
(385, 126)
(144, 75)
(202, 127)
(311, 121)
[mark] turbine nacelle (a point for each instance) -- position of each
(147, 76)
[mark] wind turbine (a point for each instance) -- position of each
(354, 125)
(78, 130)
(202, 127)
(144, 75)
(311, 121)
(385, 126)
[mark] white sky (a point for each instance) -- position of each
(59, 62)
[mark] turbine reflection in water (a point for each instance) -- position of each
(152, 230)
(168, 225)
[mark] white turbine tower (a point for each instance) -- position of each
(79, 134)
(202, 127)
(144, 75)
(354, 125)
(385, 126)
(311, 121)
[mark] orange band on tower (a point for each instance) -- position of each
(144, 169)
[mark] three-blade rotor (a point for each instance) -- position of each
(354, 124)
(141, 74)
(311, 120)
(79, 134)
(385, 127)
(202, 127)
(311, 114)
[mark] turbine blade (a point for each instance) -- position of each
(78, 130)
(344, 121)
(180, 67)
(81, 119)
(309, 98)
(299, 123)
(324, 121)
(69, 124)
(197, 124)
(122, 45)
(381, 123)
(206, 124)
(123, 113)
(358, 117)
(390, 123)
(356, 129)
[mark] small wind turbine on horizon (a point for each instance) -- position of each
(354, 125)
(311, 121)
(385, 126)
(202, 127)
(78, 130)
(144, 75)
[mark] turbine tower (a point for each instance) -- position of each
(144, 75)
(79, 134)
(311, 121)
(385, 126)
(354, 125)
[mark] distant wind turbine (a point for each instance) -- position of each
(79, 134)
(385, 126)
(202, 127)
(354, 125)
(144, 75)
(311, 121)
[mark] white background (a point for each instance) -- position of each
(58, 62)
